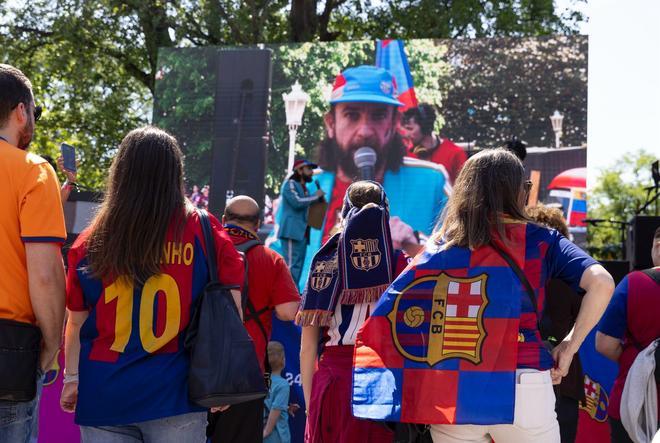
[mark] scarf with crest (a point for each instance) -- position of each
(353, 266)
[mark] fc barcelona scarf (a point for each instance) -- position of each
(440, 346)
(353, 266)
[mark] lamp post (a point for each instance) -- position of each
(557, 120)
(294, 105)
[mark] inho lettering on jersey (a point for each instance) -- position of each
(176, 253)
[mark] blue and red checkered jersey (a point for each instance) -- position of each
(443, 344)
(133, 366)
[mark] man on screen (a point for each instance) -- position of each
(418, 124)
(364, 113)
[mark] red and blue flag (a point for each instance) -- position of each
(391, 55)
(577, 211)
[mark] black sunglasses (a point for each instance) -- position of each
(38, 110)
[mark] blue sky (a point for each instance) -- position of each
(624, 80)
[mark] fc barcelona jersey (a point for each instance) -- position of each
(444, 341)
(133, 366)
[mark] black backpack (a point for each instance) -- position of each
(223, 366)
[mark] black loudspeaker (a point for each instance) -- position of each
(617, 269)
(640, 240)
(240, 132)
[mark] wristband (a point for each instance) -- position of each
(70, 378)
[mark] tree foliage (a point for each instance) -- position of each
(407, 19)
(185, 92)
(619, 194)
(94, 62)
(503, 87)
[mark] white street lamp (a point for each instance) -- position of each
(294, 105)
(557, 120)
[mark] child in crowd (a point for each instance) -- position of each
(276, 429)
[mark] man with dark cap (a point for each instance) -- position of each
(292, 229)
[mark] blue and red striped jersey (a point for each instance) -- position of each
(133, 366)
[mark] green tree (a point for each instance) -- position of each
(90, 101)
(619, 194)
(94, 62)
(503, 87)
(408, 19)
(185, 105)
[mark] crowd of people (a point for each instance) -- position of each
(199, 197)
(426, 291)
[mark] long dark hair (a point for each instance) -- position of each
(145, 194)
(490, 186)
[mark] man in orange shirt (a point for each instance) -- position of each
(270, 288)
(31, 270)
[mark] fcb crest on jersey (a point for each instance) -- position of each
(439, 317)
(322, 274)
(597, 400)
(365, 254)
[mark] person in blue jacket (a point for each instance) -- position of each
(292, 229)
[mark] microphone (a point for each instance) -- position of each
(594, 221)
(365, 161)
(318, 186)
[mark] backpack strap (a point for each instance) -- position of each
(523, 279)
(250, 312)
(210, 245)
(653, 274)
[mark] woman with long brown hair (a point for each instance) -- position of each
(454, 342)
(133, 278)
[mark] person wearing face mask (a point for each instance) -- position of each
(292, 230)
(32, 285)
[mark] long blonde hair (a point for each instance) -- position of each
(489, 186)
